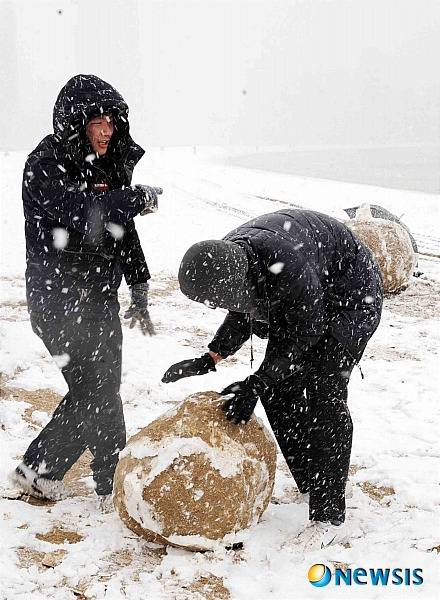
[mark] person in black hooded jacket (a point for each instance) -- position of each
(304, 281)
(79, 207)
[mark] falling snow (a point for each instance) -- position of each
(60, 238)
(276, 268)
(395, 499)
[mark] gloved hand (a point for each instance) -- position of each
(138, 310)
(243, 397)
(187, 368)
(151, 200)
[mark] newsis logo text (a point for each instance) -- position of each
(320, 575)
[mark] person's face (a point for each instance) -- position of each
(99, 131)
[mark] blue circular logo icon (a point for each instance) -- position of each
(319, 575)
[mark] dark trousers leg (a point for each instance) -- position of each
(91, 414)
(59, 444)
(288, 415)
(331, 430)
(311, 421)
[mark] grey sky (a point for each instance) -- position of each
(216, 72)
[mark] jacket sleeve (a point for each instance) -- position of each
(297, 329)
(231, 335)
(133, 263)
(46, 181)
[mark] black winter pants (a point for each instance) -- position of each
(90, 415)
(311, 421)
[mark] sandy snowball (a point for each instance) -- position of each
(191, 478)
(392, 248)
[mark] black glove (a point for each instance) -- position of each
(244, 397)
(188, 368)
(138, 310)
(150, 195)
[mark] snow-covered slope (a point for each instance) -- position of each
(394, 510)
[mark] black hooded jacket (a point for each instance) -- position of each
(314, 277)
(79, 239)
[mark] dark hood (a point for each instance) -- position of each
(83, 97)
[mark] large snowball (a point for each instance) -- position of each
(392, 248)
(191, 477)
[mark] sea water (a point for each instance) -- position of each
(415, 168)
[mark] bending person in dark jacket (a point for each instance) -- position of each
(80, 240)
(304, 281)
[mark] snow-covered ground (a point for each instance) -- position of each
(394, 510)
